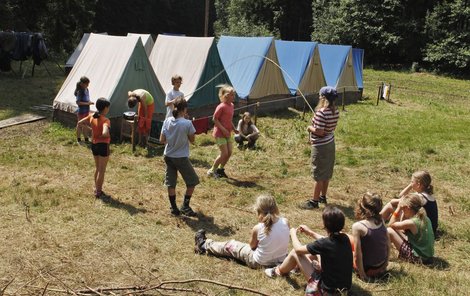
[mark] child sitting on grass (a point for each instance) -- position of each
(325, 263)
(268, 244)
(420, 183)
(410, 230)
(370, 238)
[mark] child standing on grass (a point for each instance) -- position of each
(223, 127)
(322, 138)
(332, 271)
(268, 244)
(177, 133)
(100, 126)
(83, 101)
(410, 230)
(173, 94)
(370, 237)
(420, 183)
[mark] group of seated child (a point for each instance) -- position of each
(327, 263)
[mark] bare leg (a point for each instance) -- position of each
(102, 163)
(304, 262)
(395, 238)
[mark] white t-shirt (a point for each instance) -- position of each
(272, 248)
(170, 96)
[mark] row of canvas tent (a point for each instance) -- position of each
(116, 64)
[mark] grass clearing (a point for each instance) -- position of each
(55, 232)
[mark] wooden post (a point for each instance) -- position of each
(206, 20)
(389, 92)
(342, 97)
(379, 93)
(256, 112)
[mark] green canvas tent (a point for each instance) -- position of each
(197, 60)
(114, 65)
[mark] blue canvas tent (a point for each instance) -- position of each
(301, 65)
(358, 60)
(246, 60)
(337, 63)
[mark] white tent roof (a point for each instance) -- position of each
(185, 56)
(73, 58)
(147, 40)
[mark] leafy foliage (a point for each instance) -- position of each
(448, 28)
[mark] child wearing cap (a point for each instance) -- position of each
(322, 139)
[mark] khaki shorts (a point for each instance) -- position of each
(323, 161)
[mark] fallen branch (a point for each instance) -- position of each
(2, 292)
(215, 283)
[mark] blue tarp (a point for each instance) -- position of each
(358, 58)
(293, 58)
(242, 58)
(333, 59)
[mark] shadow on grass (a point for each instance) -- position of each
(243, 184)
(207, 222)
(438, 263)
(155, 151)
(109, 200)
(200, 163)
(348, 211)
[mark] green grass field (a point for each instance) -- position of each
(57, 237)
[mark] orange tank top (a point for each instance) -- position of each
(97, 125)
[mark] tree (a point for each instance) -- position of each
(448, 30)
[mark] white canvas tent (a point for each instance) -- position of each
(147, 40)
(74, 56)
(114, 65)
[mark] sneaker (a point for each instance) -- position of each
(271, 272)
(310, 204)
(175, 211)
(199, 241)
(187, 211)
(210, 172)
(322, 199)
(221, 173)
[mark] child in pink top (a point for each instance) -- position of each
(223, 127)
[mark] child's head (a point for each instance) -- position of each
(412, 204)
(101, 105)
(267, 210)
(423, 181)
(328, 96)
(246, 118)
(369, 207)
(176, 79)
(226, 93)
(333, 219)
(180, 106)
(132, 99)
(84, 81)
(82, 84)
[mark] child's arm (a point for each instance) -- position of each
(406, 190)
(105, 133)
(163, 138)
(305, 229)
(84, 122)
(225, 132)
(254, 238)
(356, 234)
(298, 247)
(192, 138)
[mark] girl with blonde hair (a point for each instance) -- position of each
(410, 230)
(223, 127)
(421, 184)
(269, 240)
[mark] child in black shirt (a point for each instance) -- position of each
(327, 262)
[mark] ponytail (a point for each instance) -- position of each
(268, 221)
